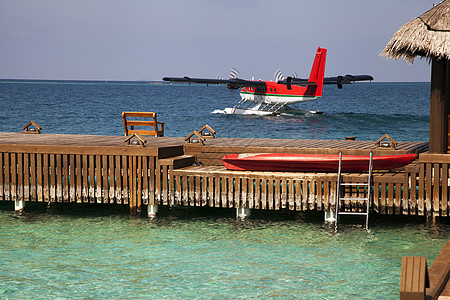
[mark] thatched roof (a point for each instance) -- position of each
(427, 36)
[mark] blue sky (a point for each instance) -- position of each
(146, 39)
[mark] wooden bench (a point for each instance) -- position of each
(157, 128)
(414, 278)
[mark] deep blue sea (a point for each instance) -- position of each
(365, 110)
(187, 253)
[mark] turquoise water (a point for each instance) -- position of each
(208, 254)
(186, 254)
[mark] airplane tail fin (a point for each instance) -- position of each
(317, 73)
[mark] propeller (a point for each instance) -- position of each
(234, 73)
(278, 75)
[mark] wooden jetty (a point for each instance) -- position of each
(106, 169)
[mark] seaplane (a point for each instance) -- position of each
(259, 97)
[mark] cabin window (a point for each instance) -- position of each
(274, 90)
(271, 90)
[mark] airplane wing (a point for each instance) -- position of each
(347, 79)
(235, 83)
(231, 83)
(338, 80)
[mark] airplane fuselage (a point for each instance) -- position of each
(277, 93)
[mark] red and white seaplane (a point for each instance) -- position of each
(274, 97)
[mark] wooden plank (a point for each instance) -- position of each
(152, 178)
(319, 190)
(164, 185)
(428, 189)
(204, 190)
(19, 176)
(33, 176)
(251, 192)
(436, 194)
(290, 196)
(72, 178)
(139, 184)
(257, 194)
(46, 178)
(439, 274)
(197, 193)
(211, 190)
(132, 184)
(277, 194)
(98, 179)
(185, 190)
(237, 193)
(390, 199)
(76, 176)
(216, 190)
(26, 177)
(230, 197)
(376, 197)
(223, 192)
(425, 158)
(445, 198)
(7, 181)
(326, 195)
(85, 181)
(125, 181)
(414, 278)
(264, 184)
(421, 199)
(312, 194)
(298, 194)
(104, 175)
(191, 185)
(91, 178)
(52, 172)
(270, 198)
(305, 194)
(397, 199)
(383, 204)
(59, 178)
(413, 193)
(111, 179)
(65, 178)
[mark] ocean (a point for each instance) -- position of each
(192, 253)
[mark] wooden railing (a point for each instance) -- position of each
(120, 177)
(78, 178)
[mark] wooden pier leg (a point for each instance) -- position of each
(330, 215)
(19, 205)
(243, 212)
(152, 210)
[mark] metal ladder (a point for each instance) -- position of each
(366, 199)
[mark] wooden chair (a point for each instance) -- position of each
(157, 128)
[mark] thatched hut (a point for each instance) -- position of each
(429, 36)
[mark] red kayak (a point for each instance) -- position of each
(313, 162)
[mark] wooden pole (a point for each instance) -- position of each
(439, 104)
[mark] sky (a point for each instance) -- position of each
(147, 39)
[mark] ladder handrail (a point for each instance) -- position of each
(338, 193)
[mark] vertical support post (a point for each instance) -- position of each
(19, 205)
(330, 215)
(439, 99)
(243, 212)
(152, 210)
